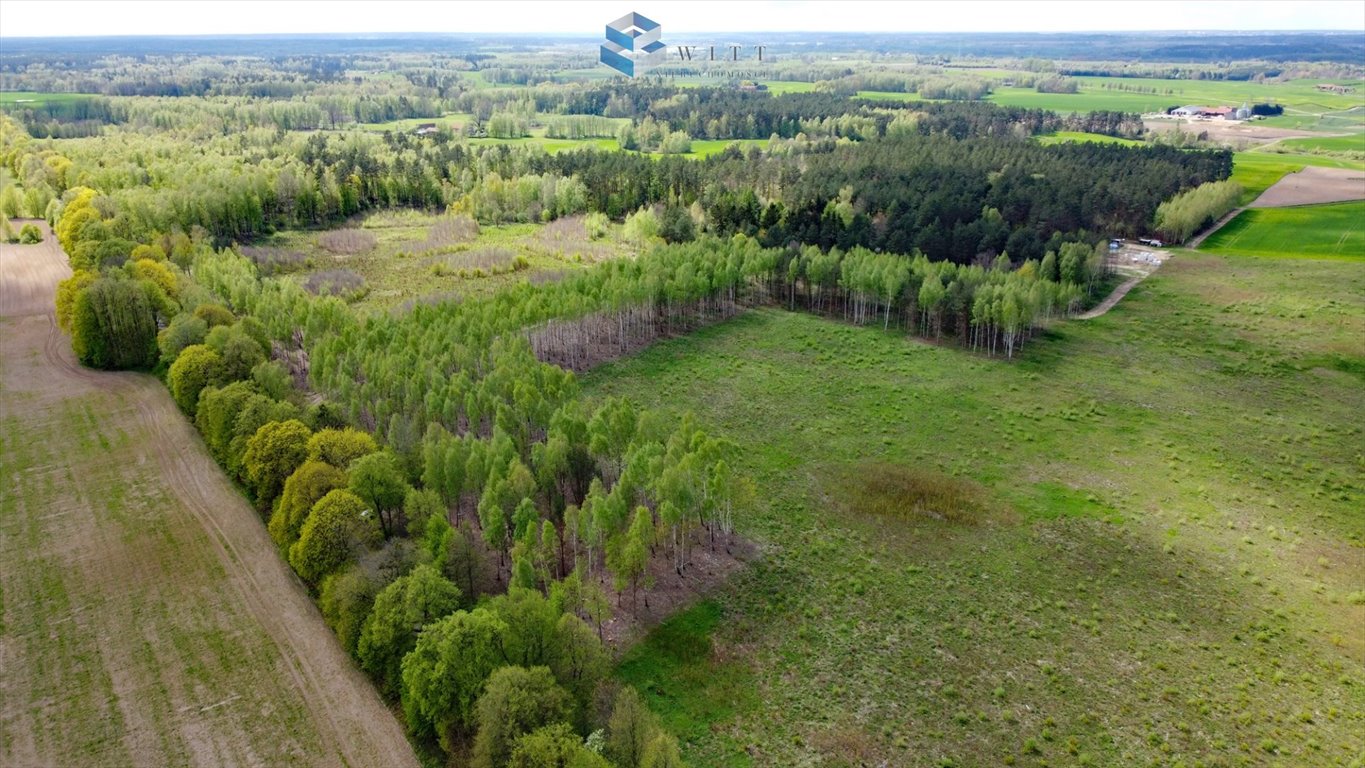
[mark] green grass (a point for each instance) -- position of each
(708, 147)
(1062, 137)
(1335, 231)
(889, 95)
(1299, 97)
(677, 671)
(1352, 143)
(1165, 578)
(31, 98)
(397, 270)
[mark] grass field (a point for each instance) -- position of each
(1302, 101)
(1335, 231)
(1062, 137)
(23, 98)
(1352, 143)
(1124, 587)
(398, 268)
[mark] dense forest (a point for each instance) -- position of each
(463, 516)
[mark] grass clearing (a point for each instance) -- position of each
(1063, 137)
(407, 264)
(1334, 231)
(1156, 596)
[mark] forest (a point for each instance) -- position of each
(465, 518)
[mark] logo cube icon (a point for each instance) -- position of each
(632, 44)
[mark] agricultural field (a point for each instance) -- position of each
(1352, 143)
(1257, 171)
(145, 616)
(1300, 98)
(1335, 231)
(970, 563)
(387, 259)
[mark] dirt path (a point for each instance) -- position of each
(1217, 225)
(145, 615)
(1112, 299)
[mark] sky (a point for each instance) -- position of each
(54, 18)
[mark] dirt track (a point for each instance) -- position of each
(145, 615)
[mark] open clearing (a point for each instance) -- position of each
(1129, 590)
(1314, 185)
(145, 616)
(1316, 231)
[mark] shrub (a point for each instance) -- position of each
(30, 234)
(348, 242)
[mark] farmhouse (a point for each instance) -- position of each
(425, 129)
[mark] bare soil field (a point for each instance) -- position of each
(1223, 130)
(1314, 185)
(145, 616)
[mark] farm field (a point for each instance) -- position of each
(1111, 587)
(1335, 231)
(1257, 171)
(1353, 143)
(147, 618)
(1300, 98)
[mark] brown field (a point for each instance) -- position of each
(1228, 131)
(1314, 185)
(145, 616)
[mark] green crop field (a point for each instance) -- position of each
(1116, 587)
(1334, 231)
(1353, 143)
(1257, 170)
(1299, 97)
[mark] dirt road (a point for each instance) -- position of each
(145, 615)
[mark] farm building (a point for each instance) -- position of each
(1197, 111)
(425, 129)
(1331, 88)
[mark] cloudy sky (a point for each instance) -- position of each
(38, 18)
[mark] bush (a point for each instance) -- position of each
(342, 283)
(597, 225)
(347, 242)
(30, 234)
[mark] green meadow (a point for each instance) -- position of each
(1137, 545)
(1335, 231)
